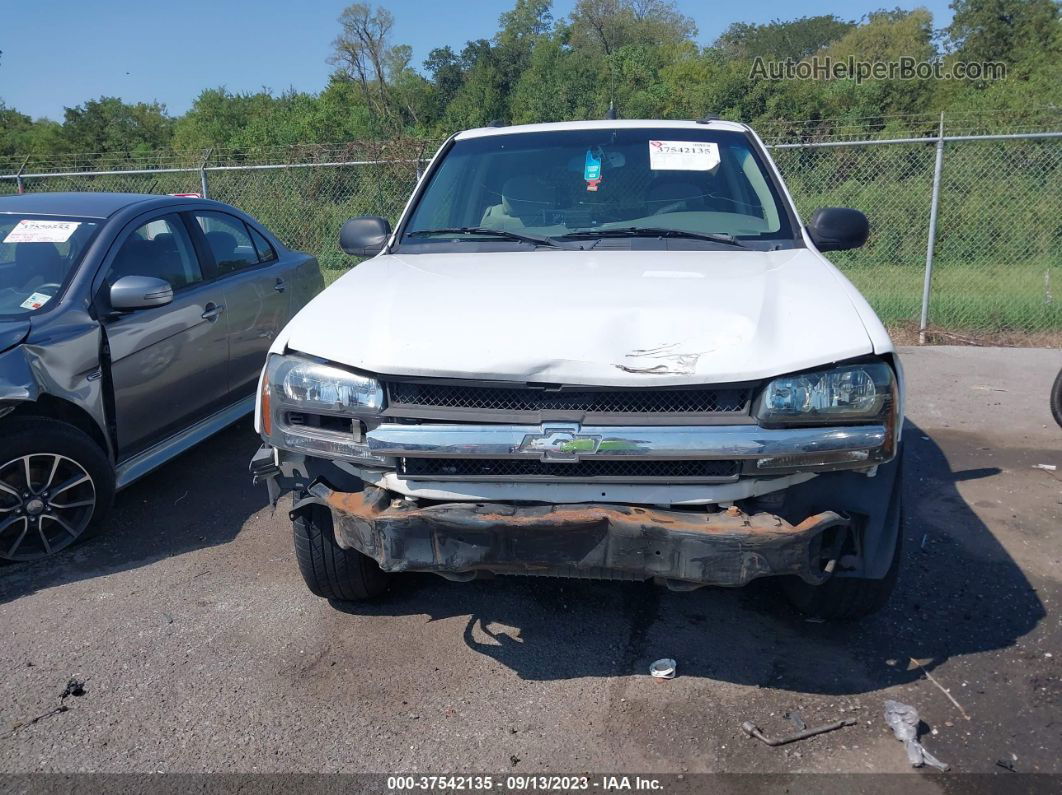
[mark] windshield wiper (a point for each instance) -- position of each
(486, 232)
(652, 231)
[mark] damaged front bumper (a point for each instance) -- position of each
(840, 523)
(602, 541)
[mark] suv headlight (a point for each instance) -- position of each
(314, 386)
(845, 394)
(313, 407)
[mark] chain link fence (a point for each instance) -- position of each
(997, 255)
(994, 274)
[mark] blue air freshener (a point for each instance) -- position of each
(592, 171)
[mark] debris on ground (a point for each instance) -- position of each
(75, 687)
(904, 721)
(663, 669)
(1006, 764)
(796, 720)
(23, 723)
(1045, 467)
(752, 730)
(940, 687)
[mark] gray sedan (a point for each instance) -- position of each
(131, 328)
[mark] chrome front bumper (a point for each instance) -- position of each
(763, 450)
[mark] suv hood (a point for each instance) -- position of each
(611, 318)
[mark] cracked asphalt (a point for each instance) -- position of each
(201, 650)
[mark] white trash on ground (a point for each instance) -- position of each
(903, 720)
(663, 669)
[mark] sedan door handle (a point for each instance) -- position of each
(279, 286)
(212, 311)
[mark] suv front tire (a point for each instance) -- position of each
(330, 571)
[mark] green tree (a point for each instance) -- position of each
(447, 76)
(607, 25)
(782, 40)
(1005, 31)
(111, 126)
(363, 53)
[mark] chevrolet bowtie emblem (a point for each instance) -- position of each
(558, 445)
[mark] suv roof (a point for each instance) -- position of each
(604, 124)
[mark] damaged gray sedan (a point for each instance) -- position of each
(131, 328)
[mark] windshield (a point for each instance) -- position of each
(601, 183)
(38, 254)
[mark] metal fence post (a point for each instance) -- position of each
(202, 174)
(934, 204)
(18, 177)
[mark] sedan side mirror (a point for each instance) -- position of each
(140, 292)
(838, 228)
(364, 235)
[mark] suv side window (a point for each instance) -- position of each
(228, 240)
(159, 248)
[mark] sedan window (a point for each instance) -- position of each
(159, 248)
(229, 241)
(266, 252)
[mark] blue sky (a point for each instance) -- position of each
(58, 54)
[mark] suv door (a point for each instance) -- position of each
(256, 283)
(167, 364)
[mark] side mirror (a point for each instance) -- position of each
(140, 292)
(838, 228)
(364, 235)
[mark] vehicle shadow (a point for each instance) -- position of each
(959, 593)
(200, 499)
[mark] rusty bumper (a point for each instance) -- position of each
(682, 548)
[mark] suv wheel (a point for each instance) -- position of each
(330, 571)
(56, 484)
(845, 598)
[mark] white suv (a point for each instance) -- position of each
(602, 349)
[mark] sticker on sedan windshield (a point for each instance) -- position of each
(683, 155)
(33, 231)
(35, 301)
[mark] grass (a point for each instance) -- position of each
(984, 297)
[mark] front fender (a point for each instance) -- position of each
(63, 363)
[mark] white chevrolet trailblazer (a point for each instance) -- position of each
(604, 349)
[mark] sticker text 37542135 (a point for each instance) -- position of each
(30, 230)
(683, 155)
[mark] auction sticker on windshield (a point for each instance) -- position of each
(31, 231)
(683, 155)
(35, 301)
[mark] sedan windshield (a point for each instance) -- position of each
(38, 254)
(701, 185)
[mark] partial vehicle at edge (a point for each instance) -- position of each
(131, 327)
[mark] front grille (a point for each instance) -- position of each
(411, 398)
(619, 470)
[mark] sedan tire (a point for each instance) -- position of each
(56, 485)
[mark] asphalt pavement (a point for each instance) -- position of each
(201, 650)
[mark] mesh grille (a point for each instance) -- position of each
(615, 401)
(508, 468)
